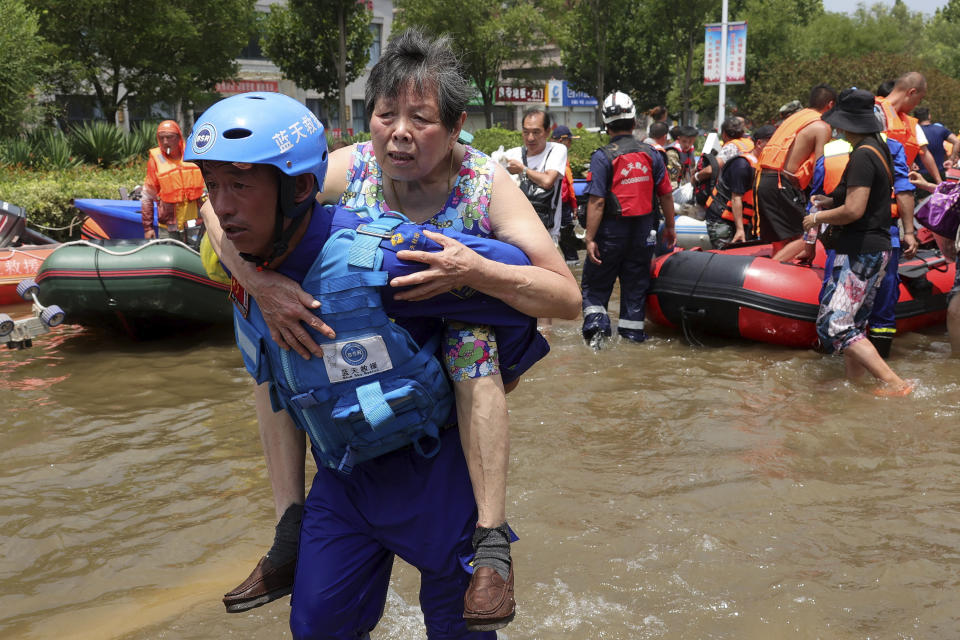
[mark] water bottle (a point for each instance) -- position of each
(810, 235)
(652, 238)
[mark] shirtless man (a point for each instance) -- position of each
(786, 168)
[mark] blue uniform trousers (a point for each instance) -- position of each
(402, 504)
(626, 253)
(883, 320)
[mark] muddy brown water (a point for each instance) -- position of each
(660, 491)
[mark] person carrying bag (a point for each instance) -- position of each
(544, 201)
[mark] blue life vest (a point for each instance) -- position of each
(375, 389)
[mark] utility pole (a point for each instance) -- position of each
(721, 108)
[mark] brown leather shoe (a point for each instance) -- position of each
(266, 583)
(488, 604)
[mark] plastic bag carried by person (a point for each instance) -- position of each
(683, 194)
(500, 157)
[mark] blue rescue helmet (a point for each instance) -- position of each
(263, 128)
(272, 129)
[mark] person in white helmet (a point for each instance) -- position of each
(621, 234)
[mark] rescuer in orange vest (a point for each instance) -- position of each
(893, 112)
(176, 186)
(786, 167)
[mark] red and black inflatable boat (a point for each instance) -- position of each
(742, 293)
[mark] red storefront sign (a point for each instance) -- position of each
(519, 94)
(244, 86)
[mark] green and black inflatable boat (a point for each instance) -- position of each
(143, 287)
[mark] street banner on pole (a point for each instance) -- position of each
(736, 54)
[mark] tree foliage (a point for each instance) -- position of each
(603, 52)
(941, 37)
(488, 35)
(859, 49)
(681, 23)
(320, 44)
(150, 49)
(879, 29)
(22, 65)
(793, 79)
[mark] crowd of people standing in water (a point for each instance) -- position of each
(845, 168)
(353, 269)
(842, 171)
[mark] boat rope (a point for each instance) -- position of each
(74, 222)
(86, 243)
(13, 252)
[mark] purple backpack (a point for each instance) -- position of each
(941, 211)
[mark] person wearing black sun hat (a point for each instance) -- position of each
(859, 214)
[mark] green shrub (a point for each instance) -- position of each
(583, 148)
(97, 143)
(100, 143)
(16, 152)
(137, 143)
(489, 140)
(361, 136)
(47, 195)
(52, 150)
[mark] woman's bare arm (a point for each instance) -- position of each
(545, 289)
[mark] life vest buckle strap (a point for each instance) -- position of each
(434, 435)
(345, 465)
(309, 399)
(376, 409)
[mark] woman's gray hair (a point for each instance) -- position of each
(430, 65)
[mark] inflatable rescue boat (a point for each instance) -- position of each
(742, 293)
(143, 287)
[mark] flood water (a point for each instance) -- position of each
(660, 491)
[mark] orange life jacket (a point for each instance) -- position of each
(902, 128)
(179, 181)
(836, 155)
(774, 155)
(835, 159)
(723, 194)
(743, 145)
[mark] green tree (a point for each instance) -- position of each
(792, 79)
(951, 12)
(22, 66)
(167, 50)
(941, 36)
(878, 28)
(603, 52)
(320, 44)
(681, 23)
(486, 34)
(770, 39)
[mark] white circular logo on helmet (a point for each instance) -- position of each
(204, 138)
